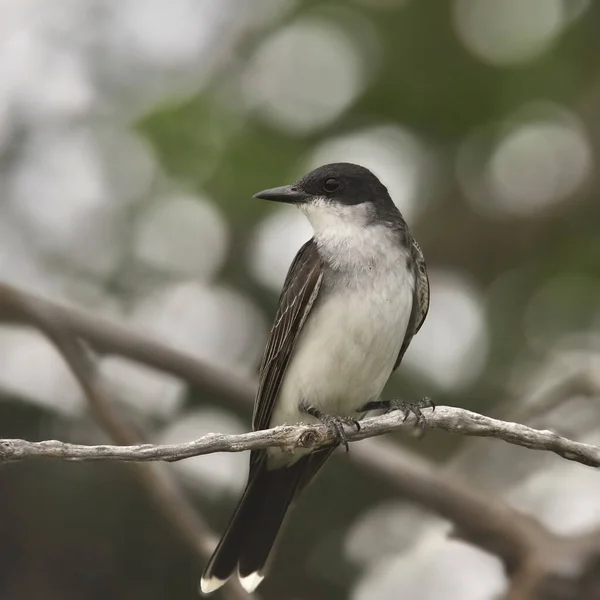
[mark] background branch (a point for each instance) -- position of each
(164, 491)
(108, 338)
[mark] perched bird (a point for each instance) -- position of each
(354, 297)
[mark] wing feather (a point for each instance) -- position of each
(299, 292)
(420, 304)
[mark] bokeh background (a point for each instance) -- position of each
(133, 134)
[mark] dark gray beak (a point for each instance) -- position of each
(285, 193)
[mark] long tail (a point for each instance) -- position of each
(253, 529)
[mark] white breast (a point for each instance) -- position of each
(351, 339)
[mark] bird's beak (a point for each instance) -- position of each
(286, 193)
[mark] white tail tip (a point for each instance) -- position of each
(251, 582)
(210, 584)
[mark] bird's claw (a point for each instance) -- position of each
(406, 407)
(336, 424)
(415, 408)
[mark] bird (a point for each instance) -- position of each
(354, 296)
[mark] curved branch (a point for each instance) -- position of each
(288, 437)
(109, 338)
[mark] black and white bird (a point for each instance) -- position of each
(354, 297)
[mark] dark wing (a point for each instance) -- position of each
(420, 305)
(297, 297)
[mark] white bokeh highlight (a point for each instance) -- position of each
(276, 241)
(537, 164)
(150, 393)
(19, 262)
(182, 234)
(304, 76)
(212, 323)
(538, 157)
(452, 346)
(33, 369)
(47, 85)
(386, 529)
(563, 497)
(508, 32)
(438, 567)
(62, 200)
(167, 34)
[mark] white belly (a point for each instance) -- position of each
(348, 348)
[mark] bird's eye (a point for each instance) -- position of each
(331, 185)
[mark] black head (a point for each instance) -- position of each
(343, 183)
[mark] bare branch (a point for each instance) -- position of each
(480, 519)
(288, 437)
(56, 324)
(110, 338)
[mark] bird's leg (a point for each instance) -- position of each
(335, 423)
(405, 407)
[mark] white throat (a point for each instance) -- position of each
(325, 215)
(348, 238)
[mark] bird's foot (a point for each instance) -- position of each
(334, 423)
(406, 407)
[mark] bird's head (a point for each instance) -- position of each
(337, 193)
